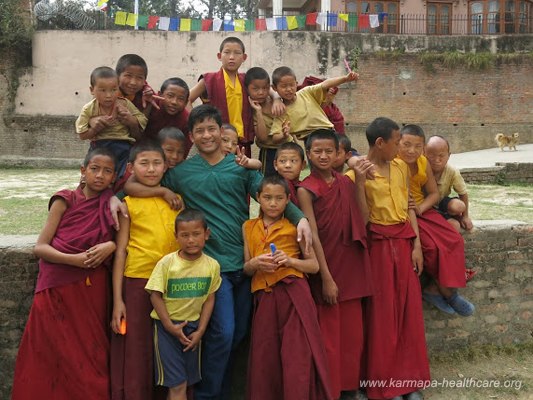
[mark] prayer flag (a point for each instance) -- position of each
(310, 19)
(364, 22)
(239, 25)
(281, 23)
(352, 22)
(142, 21)
(228, 25)
(332, 19)
(301, 20)
(152, 21)
(185, 24)
(292, 23)
(217, 24)
(249, 25)
(343, 16)
(120, 18)
(321, 18)
(131, 20)
(260, 24)
(271, 24)
(206, 24)
(164, 23)
(196, 24)
(174, 24)
(382, 16)
(374, 20)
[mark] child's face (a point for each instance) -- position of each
(438, 154)
(206, 135)
(175, 99)
(289, 164)
(232, 57)
(99, 173)
(149, 168)
(174, 151)
(105, 91)
(273, 199)
(258, 90)
(286, 88)
(389, 148)
(322, 154)
(131, 80)
(230, 141)
(411, 147)
(191, 236)
(342, 156)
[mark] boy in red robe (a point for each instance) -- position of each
(337, 212)
(67, 333)
(287, 357)
(289, 163)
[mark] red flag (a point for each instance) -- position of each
(310, 19)
(152, 21)
(260, 24)
(206, 24)
(364, 21)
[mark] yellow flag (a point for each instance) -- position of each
(292, 22)
(344, 17)
(120, 18)
(132, 19)
(185, 24)
(240, 25)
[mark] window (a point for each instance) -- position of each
(388, 24)
(439, 18)
(500, 16)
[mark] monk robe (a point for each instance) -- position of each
(64, 352)
(160, 119)
(287, 359)
(216, 95)
(394, 323)
(442, 246)
(343, 236)
(293, 186)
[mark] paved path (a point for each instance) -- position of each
(489, 157)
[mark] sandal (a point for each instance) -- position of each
(438, 301)
(461, 305)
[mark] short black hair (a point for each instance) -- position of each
(225, 125)
(321, 134)
(177, 82)
(172, 133)
(274, 179)
(381, 127)
(291, 146)
(256, 73)
(99, 151)
(344, 142)
(232, 39)
(188, 215)
(412, 129)
(102, 73)
(280, 72)
(440, 137)
(128, 60)
(203, 112)
(145, 145)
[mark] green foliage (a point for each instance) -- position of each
(353, 58)
(479, 61)
(15, 31)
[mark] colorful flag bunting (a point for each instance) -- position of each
(249, 25)
(382, 16)
(142, 21)
(217, 24)
(332, 19)
(301, 20)
(152, 21)
(228, 25)
(343, 16)
(174, 24)
(364, 22)
(352, 22)
(271, 24)
(281, 23)
(310, 19)
(206, 24)
(260, 24)
(120, 18)
(185, 24)
(164, 23)
(239, 25)
(196, 24)
(131, 20)
(321, 18)
(374, 20)
(292, 23)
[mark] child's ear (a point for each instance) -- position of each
(219, 56)
(207, 233)
(129, 168)
(244, 57)
(304, 164)
(91, 89)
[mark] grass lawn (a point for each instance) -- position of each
(24, 195)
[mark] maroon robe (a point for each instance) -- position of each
(64, 352)
(342, 234)
(293, 186)
(443, 248)
(160, 119)
(394, 323)
(216, 96)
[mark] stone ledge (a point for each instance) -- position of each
(39, 162)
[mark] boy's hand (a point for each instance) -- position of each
(173, 200)
(418, 259)
(264, 263)
(281, 258)
(286, 128)
(149, 96)
(351, 76)
(330, 291)
(194, 338)
(241, 158)
(97, 254)
(124, 115)
(278, 108)
(413, 206)
(352, 163)
(100, 123)
(255, 105)
(466, 223)
(303, 229)
(116, 206)
(362, 168)
(177, 331)
(119, 313)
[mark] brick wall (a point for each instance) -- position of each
(501, 252)
(502, 173)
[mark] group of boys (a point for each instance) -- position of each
(362, 238)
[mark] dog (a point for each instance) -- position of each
(507, 141)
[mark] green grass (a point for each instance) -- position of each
(24, 195)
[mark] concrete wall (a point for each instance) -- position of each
(468, 106)
(501, 252)
(501, 173)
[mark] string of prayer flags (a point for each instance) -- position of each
(364, 22)
(301, 19)
(344, 17)
(239, 25)
(271, 24)
(206, 24)
(174, 24)
(120, 18)
(217, 24)
(382, 16)
(321, 18)
(249, 25)
(164, 23)
(185, 24)
(142, 21)
(196, 24)
(260, 24)
(131, 20)
(152, 21)
(228, 25)
(374, 20)
(310, 19)
(292, 23)
(281, 23)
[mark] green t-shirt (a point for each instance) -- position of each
(221, 192)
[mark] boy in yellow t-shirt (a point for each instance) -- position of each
(144, 237)
(182, 290)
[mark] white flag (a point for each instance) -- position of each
(164, 23)
(217, 23)
(374, 20)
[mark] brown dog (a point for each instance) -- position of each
(507, 141)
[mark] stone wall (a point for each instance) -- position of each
(469, 107)
(502, 173)
(501, 252)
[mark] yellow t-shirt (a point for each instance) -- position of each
(418, 180)
(387, 198)
(151, 234)
(234, 101)
(185, 284)
(118, 131)
(305, 113)
(451, 178)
